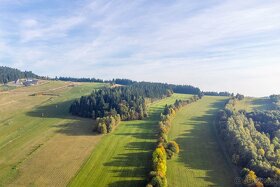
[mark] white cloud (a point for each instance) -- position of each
(217, 45)
(29, 23)
(48, 30)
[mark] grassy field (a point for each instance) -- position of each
(122, 158)
(40, 143)
(201, 161)
(250, 104)
(6, 87)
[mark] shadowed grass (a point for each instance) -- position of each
(200, 161)
(250, 104)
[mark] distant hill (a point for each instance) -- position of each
(8, 74)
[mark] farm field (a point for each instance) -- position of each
(201, 161)
(40, 143)
(123, 158)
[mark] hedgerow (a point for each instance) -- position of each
(165, 149)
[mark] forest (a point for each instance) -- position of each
(252, 141)
(128, 102)
(8, 74)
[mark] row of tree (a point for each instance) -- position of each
(72, 79)
(252, 141)
(165, 149)
(83, 79)
(106, 124)
(11, 74)
(227, 94)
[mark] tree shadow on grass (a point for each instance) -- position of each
(134, 183)
(132, 164)
(53, 110)
(136, 162)
(77, 127)
(199, 144)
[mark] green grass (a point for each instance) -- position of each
(123, 157)
(23, 129)
(6, 87)
(250, 104)
(201, 161)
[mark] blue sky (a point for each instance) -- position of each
(215, 45)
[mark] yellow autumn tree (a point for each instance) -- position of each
(259, 184)
(250, 178)
(261, 152)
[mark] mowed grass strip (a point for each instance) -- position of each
(24, 131)
(201, 161)
(123, 157)
(250, 104)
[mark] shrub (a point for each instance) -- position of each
(102, 128)
(173, 146)
(158, 181)
(250, 178)
(106, 124)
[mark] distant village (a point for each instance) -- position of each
(26, 82)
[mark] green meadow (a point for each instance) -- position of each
(35, 131)
(201, 161)
(123, 157)
(41, 144)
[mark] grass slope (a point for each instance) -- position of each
(200, 161)
(26, 135)
(250, 104)
(123, 158)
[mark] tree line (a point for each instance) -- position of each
(252, 141)
(211, 93)
(165, 149)
(72, 79)
(184, 89)
(8, 74)
(83, 79)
